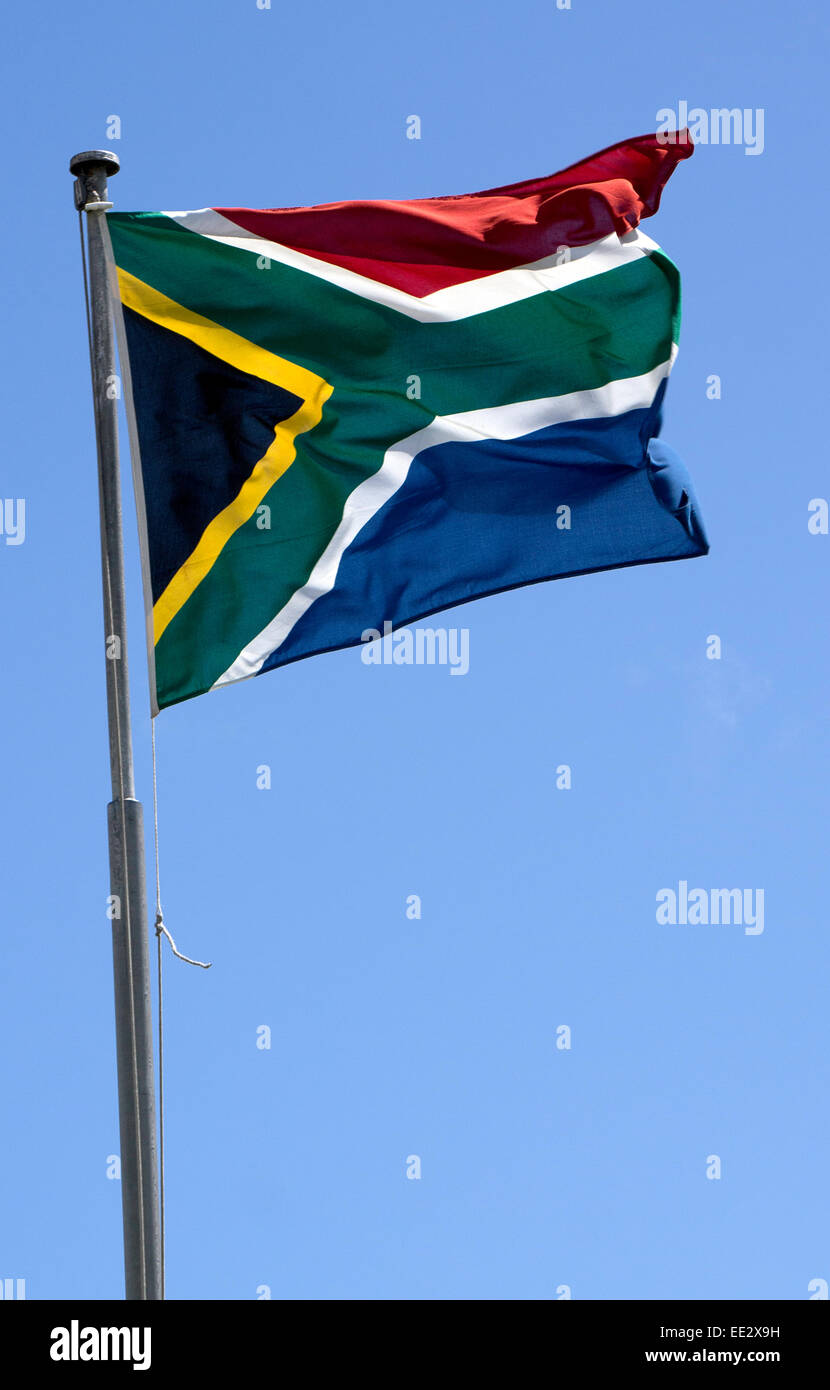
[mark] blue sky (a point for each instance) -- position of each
(541, 1168)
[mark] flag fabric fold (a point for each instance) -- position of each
(362, 413)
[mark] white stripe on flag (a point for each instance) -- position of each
(456, 301)
(493, 422)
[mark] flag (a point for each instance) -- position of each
(360, 413)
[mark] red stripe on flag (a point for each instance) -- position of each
(425, 244)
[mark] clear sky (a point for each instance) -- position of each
(541, 1167)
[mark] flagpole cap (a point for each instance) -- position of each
(80, 162)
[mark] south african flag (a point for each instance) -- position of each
(360, 413)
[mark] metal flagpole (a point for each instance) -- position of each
(130, 948)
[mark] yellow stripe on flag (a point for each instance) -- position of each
(256, 361)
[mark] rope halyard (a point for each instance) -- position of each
(161, 930)
(160, 927)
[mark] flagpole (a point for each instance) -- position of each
(130, 947)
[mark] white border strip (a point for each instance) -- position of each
(494, 422)
(456, 301)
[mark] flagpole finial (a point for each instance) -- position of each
(80, 162)
(92, 168)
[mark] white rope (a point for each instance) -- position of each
(160, 927)
(205, 965)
